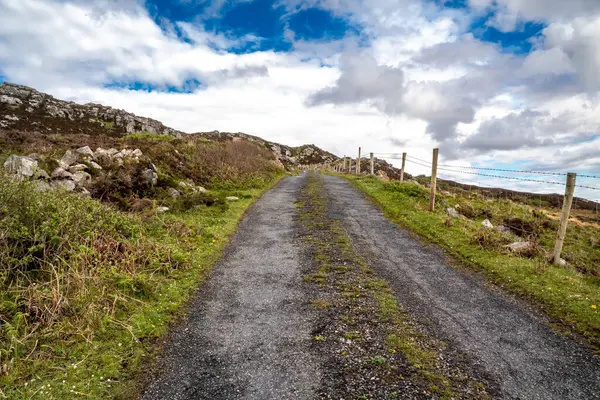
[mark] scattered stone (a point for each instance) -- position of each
(81, 179)
(61, 173)
(77, 168)
(562, 262)
(85, 193)
(453, 213)
(95, 165)
(86, 151)
(232, 198)
(68, 159)
(487, 224)
(11, 101)
(11, 118)
(22, 166)
(520, 247)
(67, 185)
(137, 153)
(174, 193)
(503, 228)
(162, 209)
(34, 156)
(200, 189)
(150, 177)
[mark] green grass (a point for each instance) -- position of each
(148, 136)
(85, 290)
(569, 296)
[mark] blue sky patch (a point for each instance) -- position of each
(518, 41)
(188, 86)
(315, 23)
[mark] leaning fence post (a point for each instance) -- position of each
(358, 163)
(403, 164)
(564, 217)
(433, 179)
(372, 165)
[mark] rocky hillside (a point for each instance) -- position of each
(26, 114)
(26, 109)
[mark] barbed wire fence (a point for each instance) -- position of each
(452, 174)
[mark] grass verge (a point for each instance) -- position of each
(376, 350)
(86, 290)
(569, 295)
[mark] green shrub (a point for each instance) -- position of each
(408, 188)
(149, 136)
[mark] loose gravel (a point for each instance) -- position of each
(248, 332)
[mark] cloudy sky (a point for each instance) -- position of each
(492, 83)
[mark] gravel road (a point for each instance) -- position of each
(504, 337)
(248, 332)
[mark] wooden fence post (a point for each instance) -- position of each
(403, 165)
(372, 164)
(564, 217)
(433, 179)
(358, 163)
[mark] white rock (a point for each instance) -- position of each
(70, 158)
(519, 247)
(85, 193)
(174, 193)
(487, 224)
(562, 262)
(77, 168)
(200, 189)
(81, 179)
(453, 213)
(137, 153)
(153, 167)
(150, 177)
(162, 209)
(11, 117)
(95, 165)
(86, 151)
(23, 166)
(503, 228)
(11, 101)
(232, 198)
(61, 173)
(67, 185)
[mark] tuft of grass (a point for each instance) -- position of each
(565, 294)
(365, 311)
(108, 124)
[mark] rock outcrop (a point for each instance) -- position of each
(74, 167)
(24, 108)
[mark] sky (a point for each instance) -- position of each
(508, 84)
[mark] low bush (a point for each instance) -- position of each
(408, 188)
(149, 136)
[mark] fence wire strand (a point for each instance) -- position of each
(394, 156)
(503, 177)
